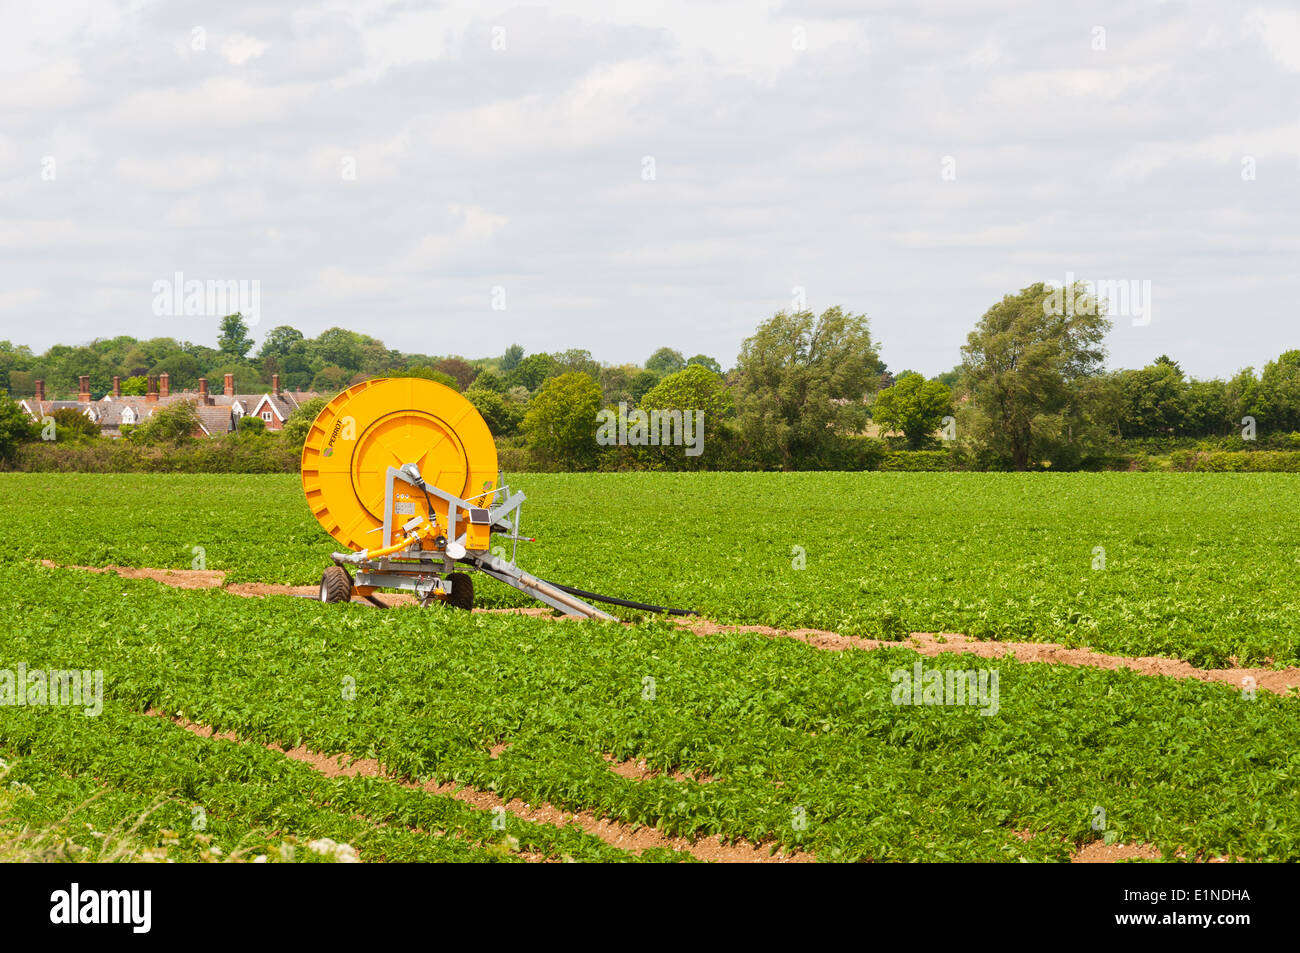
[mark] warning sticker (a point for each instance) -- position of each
(406, 508)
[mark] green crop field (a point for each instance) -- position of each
(742, 736)
(1200, 567)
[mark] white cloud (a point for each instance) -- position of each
(796, 143)
(1278, 29)
(239, 49)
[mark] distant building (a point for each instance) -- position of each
(218, 413)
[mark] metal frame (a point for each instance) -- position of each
(419, 571)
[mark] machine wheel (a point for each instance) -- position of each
(335, 585)
(462, 591)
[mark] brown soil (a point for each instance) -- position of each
(635, 770)
(1099, 853)
(615, 833)
(179, 578)
(1280, 681)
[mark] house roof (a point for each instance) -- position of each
(215, 419)
(39, 408)
(279, 404)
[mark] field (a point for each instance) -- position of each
(520, 737)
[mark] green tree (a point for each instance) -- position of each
(561, 420)
(332, 379)
(295, 429)
(15, 428)
(1208, 410)
(615, 381)
(576, 359)
(502, 416)
(247, 379)
(532, 371)
(950, 379)
(1155, 399)
(182, 369)
(72, 424)
(703, 360)
(233, 339)
(1021, 363)
(430, 374)
(1275, 401)
(490, 380)
(695, 388)
(914, 406)
(173, 424)
(279, 341)
(800, 383)
(511, 358)
(339, 347)
(665, 361)
(641, 383)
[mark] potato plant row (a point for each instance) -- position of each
(127, 772)
(769, 740)
(1194, 566)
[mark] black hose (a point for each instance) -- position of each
(583, 594)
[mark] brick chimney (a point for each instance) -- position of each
(275, 384)
(83, 389)
(230, 385)
(165, 385)
(203, 390)
(40, 391)
(151, 394)
(117, 387)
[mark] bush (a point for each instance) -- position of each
(169, 425)
(228, 454)
(917, 460)
(299, 423)
(72, 424)
(561, 421)
(1238, 461)
(858, 453)
(503, 416)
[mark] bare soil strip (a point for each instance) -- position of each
(1279, 681)
(1098, 852)
(638, 771)
(614, 833)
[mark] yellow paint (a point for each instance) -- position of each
(388, 422)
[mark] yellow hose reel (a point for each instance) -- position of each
(403, 473)
(390, 422)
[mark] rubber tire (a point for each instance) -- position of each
(462, 591)
(335, 585)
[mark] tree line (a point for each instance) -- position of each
(806, 391)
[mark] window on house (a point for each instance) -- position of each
(266, 415)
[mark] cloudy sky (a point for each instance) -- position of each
(617, 176)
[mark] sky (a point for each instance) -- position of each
(453, 178)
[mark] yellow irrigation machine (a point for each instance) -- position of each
(402, 472)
